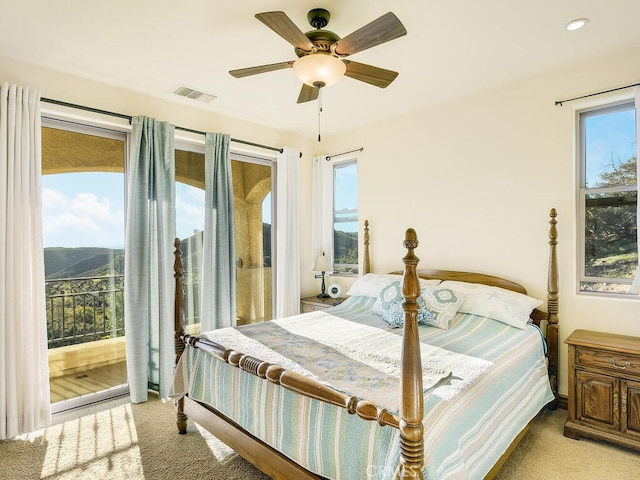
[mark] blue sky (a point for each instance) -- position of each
(609, 136)
(83, 209)
(346, 188)
(87, 209)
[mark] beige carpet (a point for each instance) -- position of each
(546, 454)
(123, 442)
(118, 440)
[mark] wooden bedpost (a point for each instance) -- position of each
(552, 306)
(181, 418)
(367, 259)
(411, 394)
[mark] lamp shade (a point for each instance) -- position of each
(319, 69)
(322, 264)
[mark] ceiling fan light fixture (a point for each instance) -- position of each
(319, 69)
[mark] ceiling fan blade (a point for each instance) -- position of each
(280, 23)
(245, 72)
(381, 30)
(366, 73)
(308, 93)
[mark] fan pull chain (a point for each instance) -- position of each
(319, 109)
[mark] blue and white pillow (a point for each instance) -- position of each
(442, 303)
(394, 314)
(389, 295)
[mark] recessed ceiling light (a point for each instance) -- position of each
(576, 24)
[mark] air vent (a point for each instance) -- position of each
(187, 92)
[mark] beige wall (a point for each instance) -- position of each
(475, 177)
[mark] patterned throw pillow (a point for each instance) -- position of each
(442, 304)
(394, 314)
(388, 296)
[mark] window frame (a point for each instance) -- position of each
(582, 191)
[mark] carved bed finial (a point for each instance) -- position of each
(410, 240)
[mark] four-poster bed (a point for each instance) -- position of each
(264, 398)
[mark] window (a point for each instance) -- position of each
(345, 218)
(608, 198)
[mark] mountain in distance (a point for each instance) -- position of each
(78, 262)
(63, 262)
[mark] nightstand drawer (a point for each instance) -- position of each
(608, 360)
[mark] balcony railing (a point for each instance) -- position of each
(84, 309)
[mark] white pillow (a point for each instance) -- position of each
(504, 305)
(372, 284)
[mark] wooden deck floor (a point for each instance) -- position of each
(89, 381)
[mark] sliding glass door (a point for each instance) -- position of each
(252, 185)
(83, 234)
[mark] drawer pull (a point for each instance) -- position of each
(621, 366)
(615, 402)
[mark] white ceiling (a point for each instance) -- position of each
(452, 48)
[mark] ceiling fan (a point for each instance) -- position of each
(322, 54)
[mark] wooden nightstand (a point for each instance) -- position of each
(309, 304)
(604, 387)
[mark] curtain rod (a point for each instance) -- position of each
(128, 117)
(329, 157)
(560, 102)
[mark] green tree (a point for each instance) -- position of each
(611, 223)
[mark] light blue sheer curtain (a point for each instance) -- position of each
(24, 368)
(287, 234)
(149, 283)
(218, 299)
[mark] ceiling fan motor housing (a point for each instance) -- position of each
(318, 18)
(321, 39)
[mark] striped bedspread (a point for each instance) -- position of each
(467, 428)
